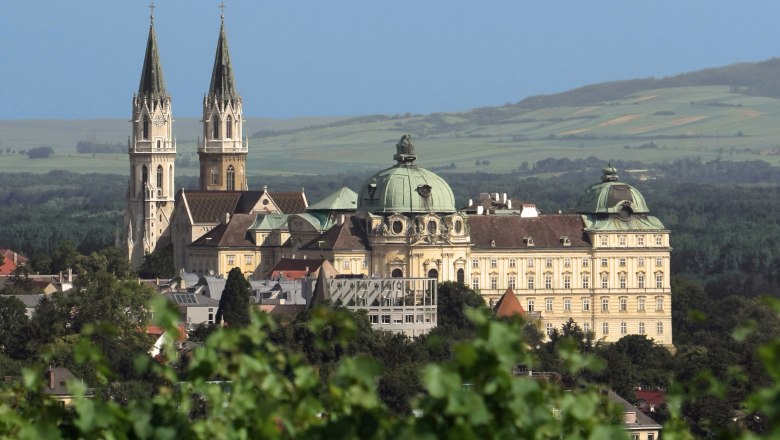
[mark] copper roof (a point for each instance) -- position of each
(346, 236)
(511, 231)
(233, 234)
(508, 305)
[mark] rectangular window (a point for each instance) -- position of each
(605, 281)
(605, 304)
(641, 328)
(548, 262)
(267, 260)
(248, 260)
(640, 240)
(586, 281)
(365, 263)
(659, 304)
(409, 319)
(231, 260)
(493, 262)
(621, 240)
(622, 281)
(475, 283)
(548, 281)
(640, 304)
(374, 319)
(567, 262)
(622, 262)
(346, 264)
(585, 262)
(549, 329)
(660, 328)
(567, 304)
(211, 318)
(604, 262)
(659, 280)
(623, 304)
(512, 281)
(659, 262)
(604, 241)
(530, 305)
(512, 262)
(623, 328)
(640, 280)
(494, 282)
(659, 240)
(605, 328)
(385, 319)
(586, 327)
(529, 262)
(530, 282)
(548, 304)
(475, 263)
(640, 261)
(585, 304)
(567, 281)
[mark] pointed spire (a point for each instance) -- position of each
(152, 83)
(223, 85)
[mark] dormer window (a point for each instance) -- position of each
(565, 240)
(528, 240)
(493, 244)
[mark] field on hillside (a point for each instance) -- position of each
(653, 126)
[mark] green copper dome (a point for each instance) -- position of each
(405, 187)
(611, 196)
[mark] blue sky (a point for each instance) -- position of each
(82, 59)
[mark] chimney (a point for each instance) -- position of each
(70, 275)
(60, 277)
(508, 204)
(471, 203)
(497, 199)
(227, 217)
(503, 198)
(50, 374)
(480, 210)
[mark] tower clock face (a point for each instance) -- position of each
(158, 120)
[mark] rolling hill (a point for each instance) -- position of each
(730, 113)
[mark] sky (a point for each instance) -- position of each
(82, 59)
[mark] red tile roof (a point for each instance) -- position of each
(295, 268)
(510, 231)
(11, 261)
(508, 305)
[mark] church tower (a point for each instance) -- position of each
(152, 150)
(223, 152)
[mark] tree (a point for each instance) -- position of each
(40, 152)
(234, 303)
(13, 315)
(453, 300)
(158, 264)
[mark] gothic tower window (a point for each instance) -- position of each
(170, 179)
(159, 144)
(214, 128)
(229, 127)
(214, 177)
(231, 178)
(145, 128)
(144, 175)
(159, 177)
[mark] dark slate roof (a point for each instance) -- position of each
(346, 236)
(211, 206)
(55, 381)
(508, 305)
(509, 231)
(292, 202)
(152, 84)
(223, 84)
(234, 234)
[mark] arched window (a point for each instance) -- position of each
(144, 175)
(159, 144)
(461, 276)
(397, 273)
(159, 177)
(229, 127)
(214, 177)
(231, 178)
(433, 273)
(214, 127)
(145, 130)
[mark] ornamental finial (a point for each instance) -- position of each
(222, 11)
(151, 11)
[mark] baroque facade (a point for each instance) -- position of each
(605, 265)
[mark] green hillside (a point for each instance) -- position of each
(707, 114)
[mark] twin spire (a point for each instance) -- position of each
(152, 86)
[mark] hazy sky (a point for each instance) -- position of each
(82, 58)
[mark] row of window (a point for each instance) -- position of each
(547, 279)
(549, 304)
(228, 127)
(567, 262)
(347, 264)
(398, 319)
(230, 176)
(659, 328)
(622, 240)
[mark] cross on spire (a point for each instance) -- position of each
(222, 10)
(151, 11)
